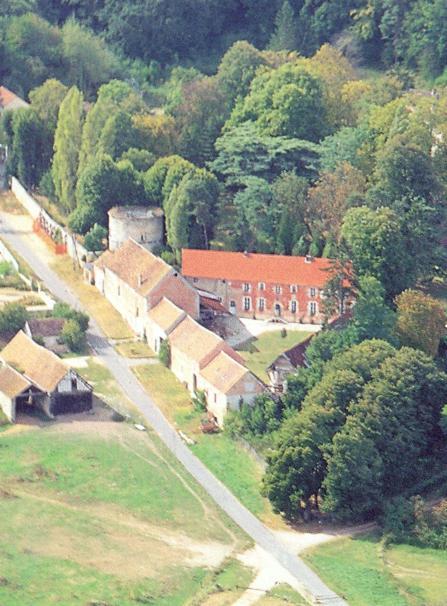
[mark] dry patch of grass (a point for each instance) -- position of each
(97, 306)
(10, 204)
(134, 349)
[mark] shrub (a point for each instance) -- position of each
(63, 310)
(6, 269)
(73, 336)
(12, 319)
(95, 238)
(283, 333)
(164, 355)
(199, 400)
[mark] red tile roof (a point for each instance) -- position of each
(8, 98)
(254, 267)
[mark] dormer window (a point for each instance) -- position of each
(293, 288)
(246, 287)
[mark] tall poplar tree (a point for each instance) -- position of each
(67, 143)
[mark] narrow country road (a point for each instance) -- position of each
(311, 585)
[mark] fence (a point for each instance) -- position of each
(63, 241)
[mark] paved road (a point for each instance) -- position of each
(312, 586)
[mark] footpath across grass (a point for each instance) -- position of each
(368, 574)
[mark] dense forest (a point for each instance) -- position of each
(283, 127)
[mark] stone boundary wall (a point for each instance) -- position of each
(75, 250)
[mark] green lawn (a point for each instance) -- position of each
(134, 349)
(227, 459)
(369, 575)
(263, 350)
(105, 516)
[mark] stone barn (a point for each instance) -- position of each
(32, 377)
(141, 223)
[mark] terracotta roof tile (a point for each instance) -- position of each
(9, 100)
(223, 372)
(165, 314)
(254, 267)
(11, 382)
(194, 340)
(46, 327)
(36, 363)
(135, 265)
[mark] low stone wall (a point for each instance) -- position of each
(43, 222)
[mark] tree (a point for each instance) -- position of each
(257, 216)
(164, 354)
(112, 96)
(332, 195)
(395, 423)
(242, 152)
(191, 210)
(102, 185)
(199, 120)
(141, 159)
(67, 143)
(73, 336)
(31, 147)
(289, 196)
(63, 310)
(284, 36)
(155, 133)
(88, 60)
(283, 102)
(117, 135)
(376, 246)
(373, 319)
(46, 100)
(421, 321)
(94, 238)
(237, 69)
(12, 319)
(154, 178)
(33, 51)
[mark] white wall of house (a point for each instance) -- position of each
(131, 305)
(8, 406)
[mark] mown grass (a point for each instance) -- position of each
(97, 306)
(367, 574)
(225, 458)
(68, 499)
(263, 350)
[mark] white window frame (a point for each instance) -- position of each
(261, 285)
(293, 303)
(244, 301)
(261, 304)
(313, 308)
(312, 291)
(277, 289)
(246, 286)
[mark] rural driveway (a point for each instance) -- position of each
(28, 246)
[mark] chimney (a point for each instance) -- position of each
(246, 253)
(308, 259)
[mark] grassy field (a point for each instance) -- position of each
(98, 513)
(369, 575)
(263, 350)
(228, 460)
(110, 321)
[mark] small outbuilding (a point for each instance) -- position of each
(32, 377)
(47, 331)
